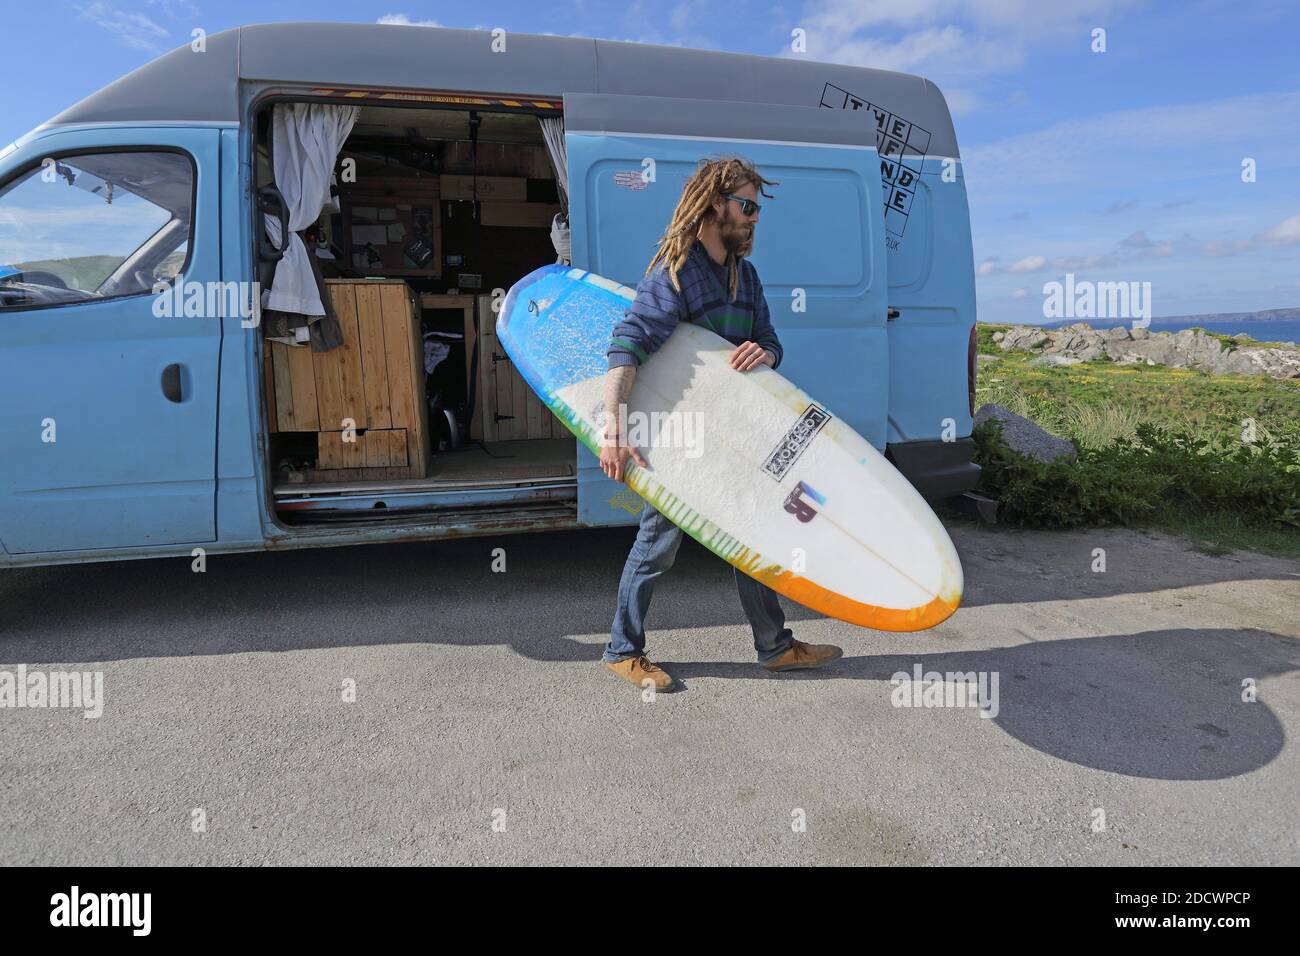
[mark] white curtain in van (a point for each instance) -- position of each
(553, 133)
(305, 143)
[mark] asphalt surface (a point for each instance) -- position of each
(484, 730)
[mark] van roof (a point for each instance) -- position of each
(237, 65)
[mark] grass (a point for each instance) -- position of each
(1097, 400)
(1095, 403)
(1220, 534)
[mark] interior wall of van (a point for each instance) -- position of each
(437, 213)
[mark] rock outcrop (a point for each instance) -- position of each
(1189, 348)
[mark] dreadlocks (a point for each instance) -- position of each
(711, 180)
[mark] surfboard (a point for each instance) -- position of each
(760, 473)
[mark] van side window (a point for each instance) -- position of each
(94, 226)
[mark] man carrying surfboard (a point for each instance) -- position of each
(699, 274)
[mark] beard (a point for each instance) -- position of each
(737, 237)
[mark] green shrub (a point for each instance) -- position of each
(1134, 479)
(1258, 483)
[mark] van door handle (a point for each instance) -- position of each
(171, 382)
(891, 313)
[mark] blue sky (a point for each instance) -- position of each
(1122, 165)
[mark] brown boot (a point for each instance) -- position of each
(638, 669)
(801, 656)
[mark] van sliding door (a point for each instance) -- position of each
(819, 247)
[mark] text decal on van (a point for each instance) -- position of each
(902, 146)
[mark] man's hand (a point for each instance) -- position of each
(751, 355)
(614, 455)
(614, 449)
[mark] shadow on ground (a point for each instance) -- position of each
(1163, 704)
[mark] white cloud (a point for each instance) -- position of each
(1224, 247)
(685, 15)
(1020, 293)
(644, 21)
(1158, 144)
(950, 40)
(134, 30)
(175, 9)
(403, 20)
(1286, 232)
(961, 101)
(1028, 264)
(1070, 263)
(1032, 264)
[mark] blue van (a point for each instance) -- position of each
(131, 430)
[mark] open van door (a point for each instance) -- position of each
(819, 248)
(108, 391)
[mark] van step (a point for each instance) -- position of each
(421, 501)
(975, 507)
(509, 519)
(291, 489)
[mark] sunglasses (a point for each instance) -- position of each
(747, 206)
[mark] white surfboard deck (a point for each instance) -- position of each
(745, 462)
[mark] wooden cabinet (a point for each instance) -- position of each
(506, 408)
(371, 388)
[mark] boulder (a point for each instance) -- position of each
(1200, 350)
(1051, 361)
(1022, 337)
(1273, 362)
(1157, 349)
(1024, 436)
(1074, 341)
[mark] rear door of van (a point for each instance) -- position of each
(819, 247)
(108, 386)
(931, 289)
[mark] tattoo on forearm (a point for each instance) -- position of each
(618, 386)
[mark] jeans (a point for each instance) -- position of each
(652, 554)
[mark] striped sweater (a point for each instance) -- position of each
(658, 307)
